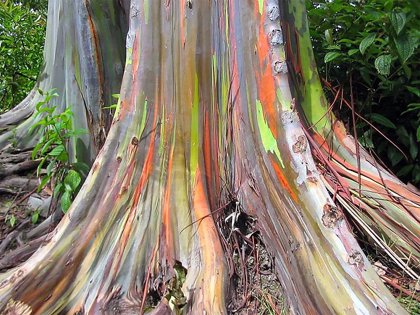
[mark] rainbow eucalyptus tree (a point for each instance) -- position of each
(220, 101)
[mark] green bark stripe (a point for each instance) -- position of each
(146, 11)
(129, 58)
(261, 6)
(268, 140)
(194, 131)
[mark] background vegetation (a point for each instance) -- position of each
(22, 34)
(369, 50)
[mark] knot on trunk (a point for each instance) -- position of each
(300, 145)
(331, 216)
(134, 141)
(276, 37)
(280, 67)
(273, 12)
(356, 258)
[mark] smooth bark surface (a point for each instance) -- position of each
(206, 111)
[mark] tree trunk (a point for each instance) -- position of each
(84, 61)
(208, 116)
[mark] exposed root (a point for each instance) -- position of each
(22, 253)
(18, 240)
(12, 236)
(17, 185)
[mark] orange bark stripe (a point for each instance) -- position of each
(212, 251)
(266, 84)
(283, 179)
(182, 21)
(207, 147)
(166, 216)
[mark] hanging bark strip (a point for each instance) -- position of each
(205, 102)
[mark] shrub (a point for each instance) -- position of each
(22, 33)
(373, 46)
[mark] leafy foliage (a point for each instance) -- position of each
(22, 33)
(56, 131)
(373, 46)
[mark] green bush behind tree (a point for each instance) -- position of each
(22, 35)
(372, 46)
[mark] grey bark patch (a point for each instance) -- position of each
(280, 67)
(273, 12)
(276, 37)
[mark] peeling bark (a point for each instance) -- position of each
(206, 109)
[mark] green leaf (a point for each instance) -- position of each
(416, 174)
(388, 5)
(366, 42)
(57, 150)
(382, 120)
(405, 47)
(366, 139)
(65, 201)
(39, 168)
(328, 36)
(418, 134)
(403, 136)
(81, 168)
(57, 189)
(44, 181)
(398, 20)
(330, 56)
(351, 52)
(12, 220)
(414, 90)
(383, 64)
(346, 41)
(36, 149)
(113, 106)
(412, 107)
(63, 157)
(50, 168)
(394, 155)
(35, 217)
(414, 148)
(405, 170)
(333, 47)
(47, 146)
(72, 180)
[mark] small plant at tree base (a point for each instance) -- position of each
(35, 216)
(56, 130)
(11, 220)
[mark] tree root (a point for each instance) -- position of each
(11, 184)
(22, 253)
(12, 236)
